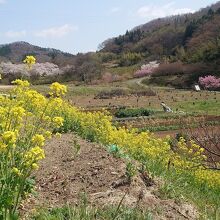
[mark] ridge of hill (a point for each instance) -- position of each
(16, 51)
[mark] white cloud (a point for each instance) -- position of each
(115, 10)
(16, 34)
(155, 11)
(2, 1)
(56, 32)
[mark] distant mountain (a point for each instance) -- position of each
(16, 52)
(193, 37)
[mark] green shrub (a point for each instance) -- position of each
(136, 112)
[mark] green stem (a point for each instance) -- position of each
(19, 193)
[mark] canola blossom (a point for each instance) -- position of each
(57, 90)
(29, 60)
(27, 120)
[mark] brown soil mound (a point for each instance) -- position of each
(64, 175)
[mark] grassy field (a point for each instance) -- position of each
(179, 100)
(189, 101)
(208, 106)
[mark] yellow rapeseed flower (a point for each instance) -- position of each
(29, 60)
(22, 83)
(35, 166)
(3, 146)
(33, 156)
(58, 121)
(57, 89)
(16, 171)
(9, 137)
(38, 140)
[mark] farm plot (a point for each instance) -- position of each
(130, 96)
(187, 101)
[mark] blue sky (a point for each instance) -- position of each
(80, 25)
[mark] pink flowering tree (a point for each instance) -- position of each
(209, 82)
(146, 70)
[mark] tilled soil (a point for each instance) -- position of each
(63, 176)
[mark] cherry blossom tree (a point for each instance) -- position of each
(209, 82)
(146, 70)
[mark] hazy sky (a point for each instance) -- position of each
(80, 25)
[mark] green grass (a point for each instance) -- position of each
(85, 212)
(183, 187)
(74, 90)
(211, 107)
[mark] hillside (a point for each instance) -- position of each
(15, 53)
(187, 47)
(180, 37)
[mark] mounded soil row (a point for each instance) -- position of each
(64, 175)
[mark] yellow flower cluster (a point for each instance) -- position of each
(29, 60)
(58, 121)
(38, 140)
(9, 137)
(188, 155)
(3, 147)
(16, 171)
(211, 177)
(22, 83)
(57, 89)
(26, 121)
(33, 156)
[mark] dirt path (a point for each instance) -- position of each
(101, 176)
(139, 82)
(6, 86)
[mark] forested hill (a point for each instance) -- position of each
(190, 38)
(16, 52)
